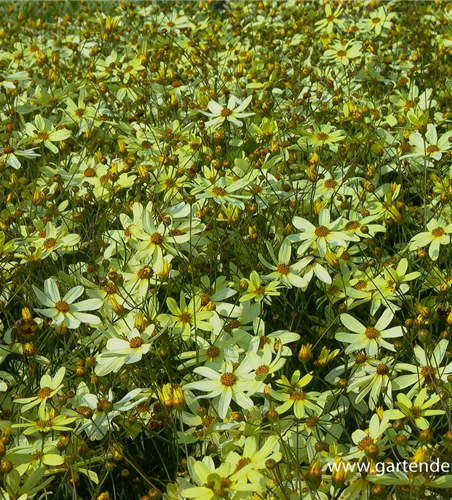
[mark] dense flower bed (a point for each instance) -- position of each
(225, 250)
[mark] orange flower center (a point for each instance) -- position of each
(228, 379)
(44, 393)
(321, 232)
(62, 306)
(371, 333)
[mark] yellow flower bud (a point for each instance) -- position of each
(26, 314)
(305, 353)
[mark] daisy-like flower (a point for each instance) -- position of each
(256, 289)
(43, 131)
(287, 274)
(221, 191)
(231, 113)
(331, 19)
(10, 155)
(224, 385)
(104, 411)
(417, 410)
(185, 318)
(122, 351)
(438, 234)
(377, 21)
(322, 136)
(293, 395)
(369, 338)
(253, 458)
(264, 365)
(63, 310)
(48, 387)
(429, 146)
(375, 435)
(342, 52)
(427, 371)
(374, 380)
(322, 237)
(48, 421)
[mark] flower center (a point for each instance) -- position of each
(341, 53)
(322, 136)
(228, 379)
(298, 396)
(428, 373)
(416, 411)
(330, 183)
(262, 369)
(360, 285)
(382, 369)
(213, 352)
(79, 112)
(438, 232)
(432, 149)
(360, 359)
(283, 269)
(218, 191)
(226, 112)
(42, 136)
(371, 333)
(8, 150)
(49, 243)
(89, 172)
(376, 20)
(62, 306)
(44, 393)
(364, 443)
(185, 317)
(321, 232)
(241, 463)
(156, 239)
(43, 423)
(136, 342)
(353, 224)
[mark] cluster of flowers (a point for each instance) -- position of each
(225, 249)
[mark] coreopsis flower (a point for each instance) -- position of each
(49, 386)
(438, 234)
(429, 147)
(326, 235)
(122, 351)
(369, 338)
(428, 369)
(231, 113)
(10, 154)
(185, 318)
(43, 131)
(331, 19)
(63, 310)
(322, 136)
(253, 458)
(104, 411)
(257, 290)
(48, 421)
(224, 385)
(378, 20)
(292, 395)
(221, 191)
(374, 437)
(418, 409)
(343, 52)
(374, 380)
(287, 274)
